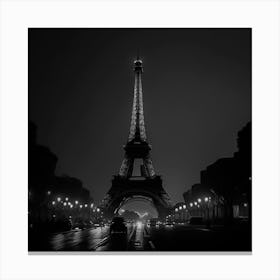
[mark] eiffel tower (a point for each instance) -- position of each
(130, 184)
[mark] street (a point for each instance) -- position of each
(141, 237)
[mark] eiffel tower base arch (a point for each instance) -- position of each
(125, 188)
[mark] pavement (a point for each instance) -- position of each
(143, 238)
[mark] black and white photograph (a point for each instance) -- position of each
(139, 140)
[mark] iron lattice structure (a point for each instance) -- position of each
(137, 145)
(148, 185)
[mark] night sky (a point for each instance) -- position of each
(197, 95)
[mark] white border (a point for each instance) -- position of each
(17, 16)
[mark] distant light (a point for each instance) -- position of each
(54, 216)
(70, 217)
(64, 203)
(139, 224)
(209, 197)
(71, 206)
(176, 209)
(58, 199)
(195, 203)
(191, 204)
(199, 200)
(66, 198)
(69, 203)
(85, 205)
(76, 202)
(180, 207)
(245, 204)
(81, 206)
(91, 205)
(184, 206)
(198, 206)
(97, 209)
(206, 199)
(53, 203)
(49, 192)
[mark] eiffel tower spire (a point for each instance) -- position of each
(137, 146)
(137, 125)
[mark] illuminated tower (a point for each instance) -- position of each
(146, 185)
(137, 146)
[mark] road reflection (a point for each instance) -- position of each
(78, 240)
(99, 239)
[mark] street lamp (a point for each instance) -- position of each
(184, 206)
(98, 210)
(180, 207)
(191, 204)
(206, 199)
(86, 205)
(76, 202)
(199, 200)
(81, 206)
(195, 203)
(66, 198)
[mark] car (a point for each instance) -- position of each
(118, 226)
(169, 224)
(196, 220)
(153, 223)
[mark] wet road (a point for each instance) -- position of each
(142, 238)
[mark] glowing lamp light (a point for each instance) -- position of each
(176, 210)
(91, 205)
(49, 192)
(139, 224)
(58, 199)
(195, 203)
(76, 202)
(64, 204)
(81, 206)
(184, 206)
(199, 200)
(66, 198)
(191, 204)
(98, 210)
(245, 204)
(85, 205)
(53, 203)
(206, 199)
